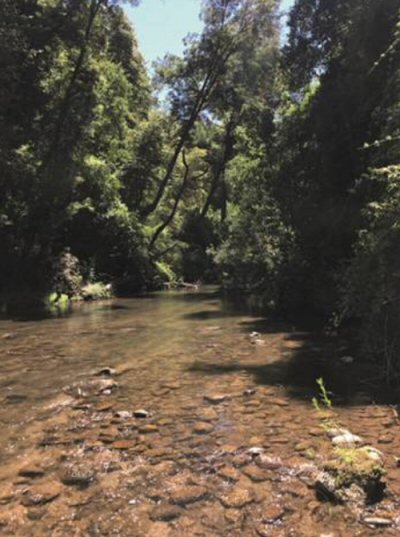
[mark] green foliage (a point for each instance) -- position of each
(269, 168)
(323, 398)
(370, 284)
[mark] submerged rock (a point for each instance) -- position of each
(106, 372)
(216, 398)
(378, 522)
(165, 513)
(41, 494)
(123, 414)
(237, 498)
(78, 475)
(188, 494)
(203, 428)
(31, 471)
(141, 413)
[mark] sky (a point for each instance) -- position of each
(162, 24)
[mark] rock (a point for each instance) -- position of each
(123, 414)
(234, 516)
(272, 513)
(326, 489)
(258, 342)
(123, 444)
(188, 494)
(93, 387)
(255, 451)
(378, 522)
(216, 399)
(106, 372)
(141, 413)
(171, 385)
(254, 335)
(373, 454)
(104, 406)
(268, 462)
(15, 398)
(208, 414)
(31, 471)
(357, 483)
(41, 494)
(8, 335)
(255, 473)
(78, 476)
(336, 431)
(165, 513)
(237, 498)
(249, 392)
(159, 529)
(203, 428)
(346, 439)
(109, 435)
(36, 514)
(229, 474)
(7, 493)
(387, 439)
(148, 428)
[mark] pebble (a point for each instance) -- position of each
(237, 498)
(249, 392)
(123, 444)
(165, 513)
(216, 399)
(104, 385)
(378, 521)
(272, 513)
(106, 372)
(387, 439)
(104, 406)
(41, 494)
(255, 451)
(255, 473)
(148, 428)
(188, 495)
(123, 414)
(203, 428)
(78, 476)
(229, 474)
(208, 414)
(141, 413)
(269, 463)
(347, 438)
(31, 471)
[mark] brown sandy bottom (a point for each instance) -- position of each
(199, 434)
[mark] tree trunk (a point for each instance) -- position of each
(178, 198)
(228, 150)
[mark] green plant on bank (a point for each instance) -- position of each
(323, 401)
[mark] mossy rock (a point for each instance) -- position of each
(352, 475)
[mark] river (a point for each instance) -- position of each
(148, 417)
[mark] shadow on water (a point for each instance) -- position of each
(306, 354)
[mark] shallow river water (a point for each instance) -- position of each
(195, 427)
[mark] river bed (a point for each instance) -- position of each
(146, 417)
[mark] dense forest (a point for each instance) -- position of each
(262, 163)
